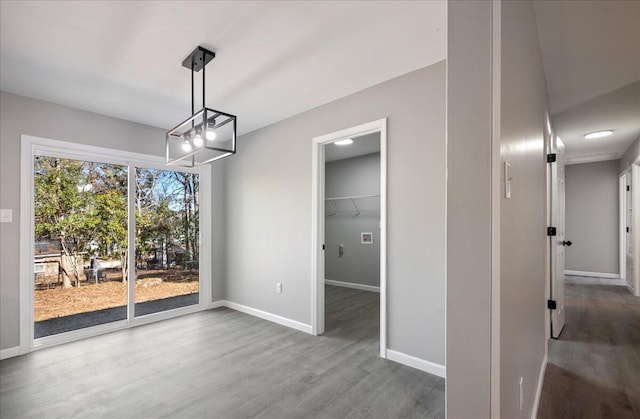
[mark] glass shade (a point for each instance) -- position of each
(199, 125)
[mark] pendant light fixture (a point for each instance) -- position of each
(207, 135)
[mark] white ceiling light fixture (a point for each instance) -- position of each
(185, 144)
(344, 142)
(598, 134)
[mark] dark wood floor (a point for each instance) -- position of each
(224, 364)
(594, 368)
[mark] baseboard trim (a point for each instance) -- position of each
(352, 285)
(417, 363)
(592, 274)
(215, 304)
(594, 280)
(630, 288)
(284, 321)
(9, 352)
(536, 401)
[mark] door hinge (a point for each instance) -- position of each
(551, 304)
(628, 188)
(627, 229)
(551, 231)
(323, 247)
(551, 157)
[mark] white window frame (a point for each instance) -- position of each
(32, 146)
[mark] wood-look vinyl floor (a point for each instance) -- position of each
(594, 368)
(224, 364)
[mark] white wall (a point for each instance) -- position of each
(469, 158)
(21, 115)
(359, 263)
(522, 218)
(476, 208)
(592, 217)
(268, 208)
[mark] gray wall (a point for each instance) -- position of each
(632, 153)
(360, 263)
(592, 217)
(468, 209)
(522, 218)
(522, 100)
(21, 115)
(268, 198)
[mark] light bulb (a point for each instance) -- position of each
(197, 140)
(211, 134)
(344, 142)
(598, 134)
(186, 145)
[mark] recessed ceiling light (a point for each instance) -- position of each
(344, 142)
(598, 134)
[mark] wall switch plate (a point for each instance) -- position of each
(6, 215)
(507, 180)
(521, 393)
(278, 287)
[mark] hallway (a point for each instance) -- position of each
(594, 368)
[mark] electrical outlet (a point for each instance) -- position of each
(521, 393)
(278, 287)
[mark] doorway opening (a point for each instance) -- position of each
(352, 239)
(555, 229)
(349, 229)
(629, 227)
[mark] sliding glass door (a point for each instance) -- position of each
(112, 241)
(167, 240)
(80, 244)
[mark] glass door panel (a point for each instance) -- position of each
(167, 240)
(80, 242)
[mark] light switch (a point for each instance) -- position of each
(507, 180)
(6, 215)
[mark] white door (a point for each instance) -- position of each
(556, 238)
(633, 205)
(623, 223)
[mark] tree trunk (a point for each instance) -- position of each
(76, 271)
(64, 268)
(124, 266)
(65, 262)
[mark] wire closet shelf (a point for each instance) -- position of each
(352, 198)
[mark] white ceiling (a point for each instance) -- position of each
(274, 59)
(591, 58)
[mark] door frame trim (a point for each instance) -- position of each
(317, 223)
(496, 200)
(30, 146)
(623, 223)
(635, 222)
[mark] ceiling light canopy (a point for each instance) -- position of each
(344, 142)
(207, 135)
(598, 134)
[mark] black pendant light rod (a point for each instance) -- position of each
(193, 157)
(192, 93)
(203, 80)
(197, 60)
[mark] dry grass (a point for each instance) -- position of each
(59, 302)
